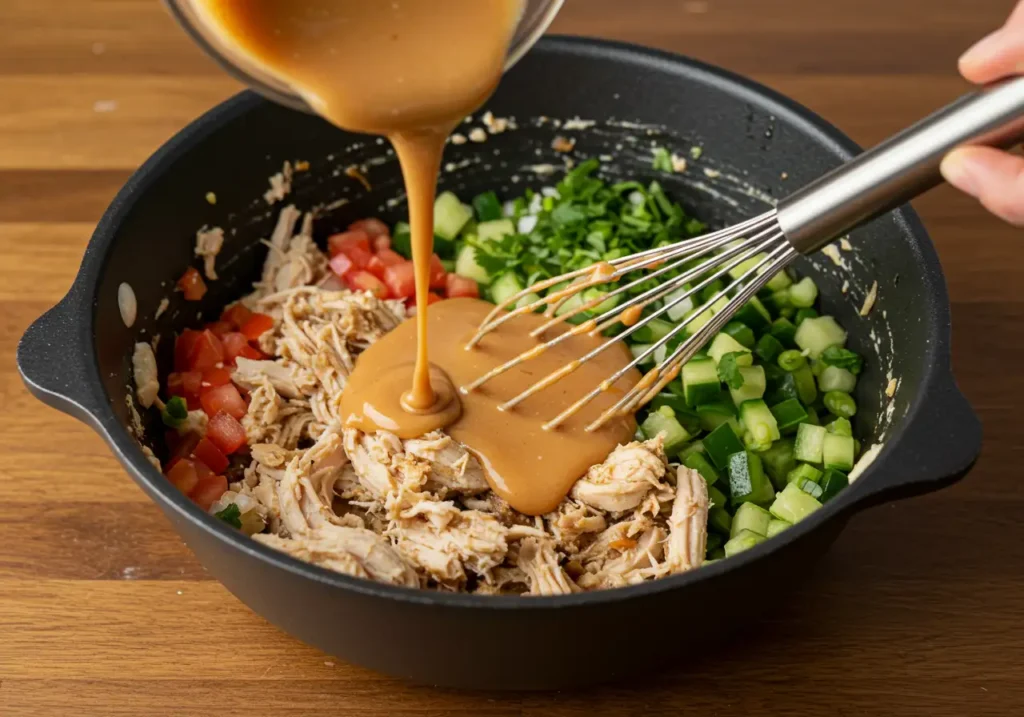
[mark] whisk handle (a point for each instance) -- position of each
(902, 167)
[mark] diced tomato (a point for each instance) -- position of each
(461, 286)
(381, 243)
(188, 385)
(224, 399)
(226, 433)
(341, 264)
(219, 328)
(209, 490)
(343, 243)
(376, 267)
(236, 315)
(360, 257)
(237, 344)
(401, 280)
(179, 446)
(210, 455)
(365, 281)
(192, 285)
(256, 326)
(206, 353)
(390, 258)
(202, 470)
(182, 474)
(183, 346)
(437, 273)
(216, 377)
(372, 227)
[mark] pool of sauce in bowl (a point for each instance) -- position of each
(411, 70)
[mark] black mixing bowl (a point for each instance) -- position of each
(755, 143)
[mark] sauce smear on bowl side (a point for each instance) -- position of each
(411, 70)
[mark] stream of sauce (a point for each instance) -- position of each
(411, 70)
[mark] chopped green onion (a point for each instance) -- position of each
(231, 515)
(175, 412)
(791, 360)
(840, 404)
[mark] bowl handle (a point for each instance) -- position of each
(941, 443)
(53, 360)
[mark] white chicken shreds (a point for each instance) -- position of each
(420, 512)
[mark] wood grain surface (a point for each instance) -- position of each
(918, 609)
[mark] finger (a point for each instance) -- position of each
(994, 177)
(999, 54)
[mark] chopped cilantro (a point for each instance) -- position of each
(175, 412)
(729, 370)
(231, 515)
(842, 358)
(662, 161)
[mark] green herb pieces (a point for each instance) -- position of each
(842, 358)
(729, 370)
(231, 515)
(662, 161)
(175, 412)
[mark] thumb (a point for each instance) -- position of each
(994, 177)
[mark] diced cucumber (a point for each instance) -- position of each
(495, 230)
(759, 423)
(487, 207)
(747, 481)
(638, 350)
(719, 519)
(401, 239)
(700, 463)
(776, 526)
(700, 381)
(785, 331)
(744, 266)
(714, 414)
(714, 542)
(722, 443)
(695, 447)
(831, 483)
(837, 452)
(741, 332)
(833, 378)
(505, 287)
(840, 427)
(803, 472)
(767, 348)
(806, 390)
(803, 293)
(754, 315)
(686, 417)
(793, 505)
(750, 517)
(570, 305)
(532, 298)
(753, 385)
(775, 301)
(782, 389)
(744, 541)
(653, 331)
(450, 215)
(700, 320)
(778, 461)
(467, 266)
(779, 282)
(684, 307)
(809, 487)
(449, 265)
(725, 344)
(809, 443)
(607, 305)
(663, 422)
(802, 314)
(789, 414)
(814, 335)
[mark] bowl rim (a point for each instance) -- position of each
(128, 452)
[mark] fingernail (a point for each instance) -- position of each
(983, 49)
(960, 171)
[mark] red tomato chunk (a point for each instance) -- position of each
(457, 286)
(256, 326)
(182, 474)
(210, 455)
(236, 315)
(372, 227)
(345, 242)
(226, 433)
(224, 399)
(209, 489)
(365, 281)
(192, 285)
(401, 280)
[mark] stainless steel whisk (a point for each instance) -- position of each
(873, 183)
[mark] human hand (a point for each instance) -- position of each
(994, 177)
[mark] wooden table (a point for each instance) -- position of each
(918, 609)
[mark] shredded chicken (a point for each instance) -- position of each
(208, 246)
(147, 381)
(416, 512)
